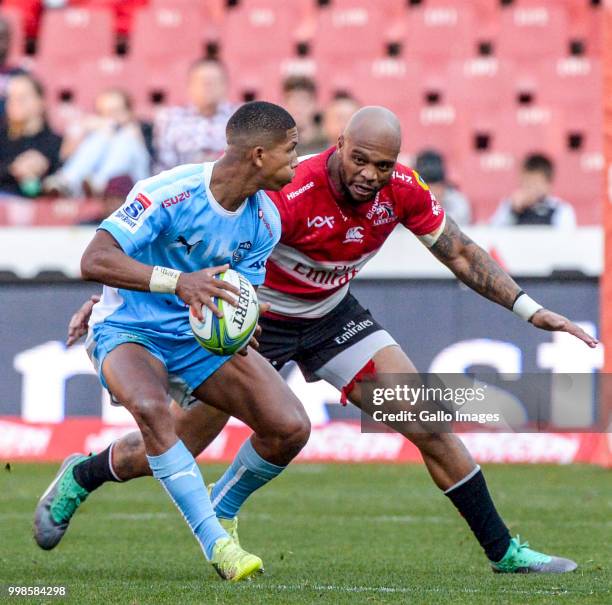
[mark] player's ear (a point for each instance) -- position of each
(340, 143)
(257, 154)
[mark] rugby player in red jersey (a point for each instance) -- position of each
(336, 214)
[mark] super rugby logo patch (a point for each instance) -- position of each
(131, 215)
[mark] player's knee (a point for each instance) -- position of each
(428, 442)
(295, 431)
(150, 411)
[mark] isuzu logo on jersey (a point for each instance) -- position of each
(321, 221)
(177, 199)
(354, 235)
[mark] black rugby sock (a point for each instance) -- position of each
(96, 470)
(474, 502)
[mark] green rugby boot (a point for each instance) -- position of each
(233, 563)
(57, 505)
(519, 558)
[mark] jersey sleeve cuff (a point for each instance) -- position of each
(256, 279)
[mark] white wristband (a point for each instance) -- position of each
(164, 279)
(525, 307)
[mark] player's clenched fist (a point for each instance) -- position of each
(199, 288)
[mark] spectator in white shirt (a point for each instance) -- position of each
(195, 132)
(532, 203)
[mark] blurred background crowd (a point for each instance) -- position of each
(500, 100)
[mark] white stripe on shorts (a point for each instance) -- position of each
(342, 368)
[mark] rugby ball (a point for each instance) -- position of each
(233, 331)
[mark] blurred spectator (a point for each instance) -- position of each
(101, 147)
(337, 114)
(196, 132)
(114, 195)
(6, 70)
(532, 203)
(31, 11)
(430, 165)
(300, 100)
(29, 149)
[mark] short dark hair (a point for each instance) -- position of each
(258, 121)
(538, 162)
(430, 165)
(293, 83)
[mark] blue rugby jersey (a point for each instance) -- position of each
(173, 220)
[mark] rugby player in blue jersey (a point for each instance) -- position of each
(157, 256)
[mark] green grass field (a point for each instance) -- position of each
(327, 534)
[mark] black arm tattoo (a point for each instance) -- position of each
(473, 266)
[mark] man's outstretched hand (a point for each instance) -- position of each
(553, 322)
(79, 321)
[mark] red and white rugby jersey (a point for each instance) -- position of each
(325, 241)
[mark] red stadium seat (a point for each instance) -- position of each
(162, 34)
(481, 84)
(580, 180)
(99, 75)
(532, 32)
(69, 33)
(258, 31)
(342, 31)
(486, 178)
(15, 21)
(440, 30)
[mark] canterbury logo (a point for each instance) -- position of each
(321, 221)
(191, 473)
(353, 235)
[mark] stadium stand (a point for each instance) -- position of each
(486, 81)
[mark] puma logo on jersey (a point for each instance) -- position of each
(321, 221)
(191, 473)
(183, 242)
(353, 235)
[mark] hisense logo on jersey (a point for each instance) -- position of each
(321, 221)
(354, 235)
(301, 190)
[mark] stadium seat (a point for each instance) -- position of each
(15, 21)
(344, 31)
(527, 33)
(486, 178)
(29, 11)
(257, 31)
(580, 180)
(162, 34)
(569, 82)
(440, 29)
(69, 33)
(480, 84)
(385, 81)
(99, 75)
